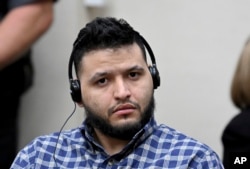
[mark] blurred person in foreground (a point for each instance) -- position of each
(22, 22)
(236, 135)
(115, 86)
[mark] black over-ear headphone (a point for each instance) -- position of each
(75, 87)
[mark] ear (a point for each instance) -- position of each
(80, 104)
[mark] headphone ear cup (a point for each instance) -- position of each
(155, 76)
(75, 91)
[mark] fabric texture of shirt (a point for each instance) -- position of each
(153, 147)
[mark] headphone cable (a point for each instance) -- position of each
(61, 132)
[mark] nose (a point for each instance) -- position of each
(121, 90)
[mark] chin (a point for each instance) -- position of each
(125, 122)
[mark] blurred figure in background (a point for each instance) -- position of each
(22, 22)
(236, 136)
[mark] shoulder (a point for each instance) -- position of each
(48, 143)
(46, 146)
(177, 141)
(239, 123)
(178, 147)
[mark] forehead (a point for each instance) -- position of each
(113, 57)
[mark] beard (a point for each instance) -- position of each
(124, 132)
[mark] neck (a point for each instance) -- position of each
(110, 144)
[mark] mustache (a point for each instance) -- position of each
(134, 104)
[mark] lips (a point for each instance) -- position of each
(124, 108)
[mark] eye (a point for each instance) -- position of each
(134, 75)
(102, 81)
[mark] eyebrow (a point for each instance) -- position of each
(104, 73)
(136, 67)
(98, 75)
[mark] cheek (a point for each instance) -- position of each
(143, 95)
(99, 102)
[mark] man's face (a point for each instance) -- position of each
(117, 90)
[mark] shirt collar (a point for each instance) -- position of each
(139, 137)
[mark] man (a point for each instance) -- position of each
(22, 22)
(115, 85)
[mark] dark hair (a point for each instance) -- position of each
(104, 32)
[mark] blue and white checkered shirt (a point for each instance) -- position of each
(154, 147)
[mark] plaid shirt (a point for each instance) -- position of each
(154, 147)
